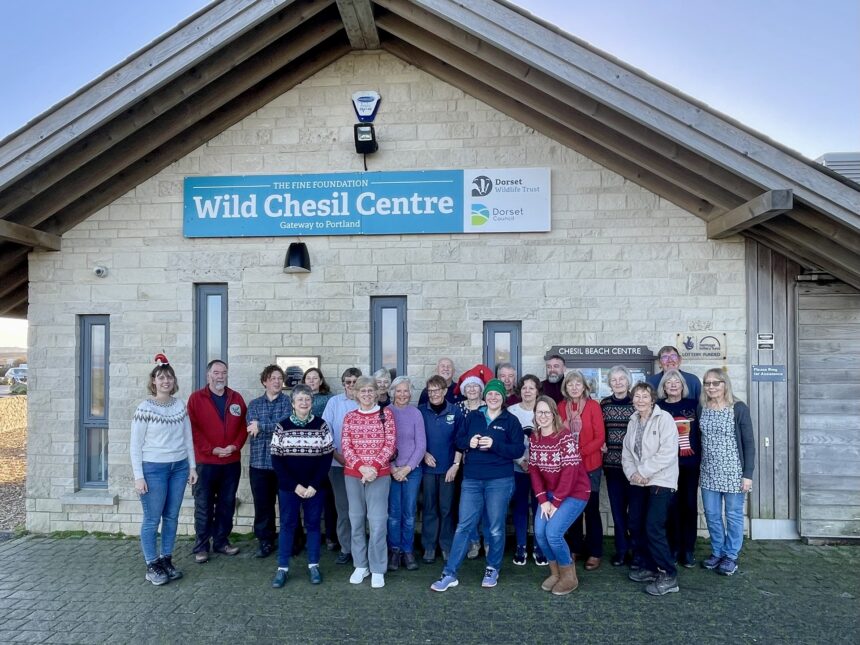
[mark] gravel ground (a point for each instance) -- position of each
(13, 472)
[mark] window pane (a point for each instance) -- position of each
(213, 327)
(502, 344)
(97, 371)
(97, 455)
(389, 338)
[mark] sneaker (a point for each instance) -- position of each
(688, 560)
(343, 558)
(474, 550)
(358, 576)
(727, 566)
(520, 556)
(662, 585)
(429, 556)
(155, 574)
(172, 572)
(491, 577)
(444, 583)
(264, 550)
(280, 579)
(540, 558)
(712, 562)
(314, 574)
(642, 575)
(377, 581)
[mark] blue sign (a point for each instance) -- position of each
(376, 203)
(771, 373)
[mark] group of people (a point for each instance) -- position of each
(471, 448)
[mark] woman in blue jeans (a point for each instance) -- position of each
(491, 438)
(302, 449)
(562, 487)
(406, 476)
(162, 460)
(728, 461)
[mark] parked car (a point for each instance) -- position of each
(16, 376)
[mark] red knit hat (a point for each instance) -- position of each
(480, 371)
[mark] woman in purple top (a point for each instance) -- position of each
(406, 475)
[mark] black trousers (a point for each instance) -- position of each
(215, 504)
(264, 488)
(684, 511)
(649, 509)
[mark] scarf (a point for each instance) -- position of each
(684, 447)
(573, 422)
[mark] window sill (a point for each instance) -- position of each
(89, 498)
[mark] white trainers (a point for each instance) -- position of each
(358, 576)
(377, 581)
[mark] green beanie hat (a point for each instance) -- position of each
(495, 385)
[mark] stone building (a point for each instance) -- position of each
(666, 221)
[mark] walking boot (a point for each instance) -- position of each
(550, 582)
(567, 581)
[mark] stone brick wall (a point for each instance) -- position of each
(621, 266)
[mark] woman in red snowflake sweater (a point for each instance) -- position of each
(561, 486)
(368, 442)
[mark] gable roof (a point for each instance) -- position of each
(235, 56)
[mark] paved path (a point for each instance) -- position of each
(89, 590)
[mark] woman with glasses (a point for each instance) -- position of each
(561, 485)
(670, 359)
(383, 383)
(728, 461)
(684, 509)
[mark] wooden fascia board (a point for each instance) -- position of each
(753, 212)
(633, 94)
(26, 236)
(140, 75)
(818, 251)
(357, 16)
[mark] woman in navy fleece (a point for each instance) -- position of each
(491, 438)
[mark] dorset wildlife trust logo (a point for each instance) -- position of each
(481, 186)
(480, 214)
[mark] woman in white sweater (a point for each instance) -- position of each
(162, 460)
(649, 458)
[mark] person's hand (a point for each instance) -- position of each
(219, 452)
(604, 449)
(230, 450)
(253, 428)
(192, 476)
(473, 442)
(338, 457)
(746, 485)
(547, 510)
(485, 443)
(310, 491)
(300, 490)
(451, 473)
(140, 486)
(368, 474)
(430, 460)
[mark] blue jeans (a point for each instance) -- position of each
(726, 539)
(289, 505)
(549, 533)
(490, 498)
(165, 483)
(618, 488)
(402, 502)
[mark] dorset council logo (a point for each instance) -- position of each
(480, 214)
(482, 186)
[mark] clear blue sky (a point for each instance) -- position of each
(787, 68)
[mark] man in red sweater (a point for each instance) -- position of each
(218, 427)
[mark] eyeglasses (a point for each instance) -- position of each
(713, 383)
(666, 358)
(434, 390)
(541, 413)
(349, 381)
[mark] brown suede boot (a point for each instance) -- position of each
(567, 581)
(550, 582)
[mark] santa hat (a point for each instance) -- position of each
(481, 373)
(161, 360)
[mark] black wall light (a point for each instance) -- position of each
(298, 260)
(365, 138)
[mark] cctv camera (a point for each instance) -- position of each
(100, 271)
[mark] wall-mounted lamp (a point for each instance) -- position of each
(297, 260)
(365, 138)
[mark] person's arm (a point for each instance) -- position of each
(284, 472)
(667, 450)
(420, 441)
(350, 458)
(322, 464)
(389, 442)
(628, 459)
(138, 434)
(593, 434)
(464, 432)
(199, 427)
(536, 476)
(747, 437)
(189, 440)
(569, 470)
(513, 445)
(240, 434)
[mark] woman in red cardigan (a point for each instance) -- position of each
(583, 417)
